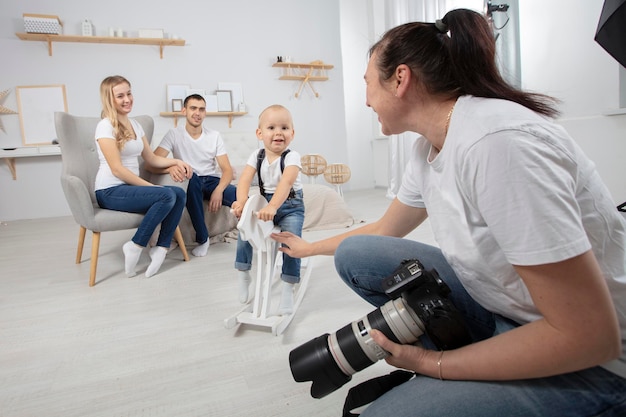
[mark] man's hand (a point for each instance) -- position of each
(215, 202)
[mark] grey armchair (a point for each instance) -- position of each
(79, 167)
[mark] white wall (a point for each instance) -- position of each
(227, 41)
(560, 57)
(237, 40)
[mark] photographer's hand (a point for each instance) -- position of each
(295, 246)
(411, 357)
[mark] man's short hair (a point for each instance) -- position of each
(195, 97)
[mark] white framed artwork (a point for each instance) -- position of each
(211, 103)
(236, 91)
(175, 92)
(224, 100)
(37, 105)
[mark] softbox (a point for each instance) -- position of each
(611, 31)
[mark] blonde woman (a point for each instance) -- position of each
(120, 141)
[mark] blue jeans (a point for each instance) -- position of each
(290, 218)
(161, 205)
(200, 188)
(363, 261)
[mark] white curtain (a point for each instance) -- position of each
(398, 12)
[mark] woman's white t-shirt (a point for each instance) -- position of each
(129, 153)
(512, 188)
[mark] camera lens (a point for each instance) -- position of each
(313, 361)
(331, 360)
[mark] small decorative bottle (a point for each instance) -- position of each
(242, 107)
(87, 28)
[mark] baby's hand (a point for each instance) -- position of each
(267, 213)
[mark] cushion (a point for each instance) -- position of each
(324, 208)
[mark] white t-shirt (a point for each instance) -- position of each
(199, 153)
(271, 173)
(510, 187)
(129, 153)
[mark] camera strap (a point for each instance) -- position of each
(366, 392)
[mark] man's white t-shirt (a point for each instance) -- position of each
(199, 153)
(129, 153)
(512, 188)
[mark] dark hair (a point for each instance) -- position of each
(463, 62)
(195, 97)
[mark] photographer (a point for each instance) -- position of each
(531, 244)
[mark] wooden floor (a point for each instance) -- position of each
(157, 346)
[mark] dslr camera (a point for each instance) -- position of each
(418, 304)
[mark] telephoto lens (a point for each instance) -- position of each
(330, 360)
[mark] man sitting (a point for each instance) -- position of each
(204, 150)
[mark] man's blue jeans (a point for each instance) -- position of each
(363, 262)
(290, 218)
(200, 188)
(161, 205)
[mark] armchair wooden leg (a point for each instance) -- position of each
(95, 247)
(181, 243)
(81, 242)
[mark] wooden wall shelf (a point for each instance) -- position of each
(305, 73)
(229, 114)
(10, 154)
(50, 38)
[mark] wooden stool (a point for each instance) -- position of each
(312, 166)
(337, 174)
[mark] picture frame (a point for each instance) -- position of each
(224, 100)
(211, 103)
(175, 91)
(36, 106)
(177, 105)
(236, 91)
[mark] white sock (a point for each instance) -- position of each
(244, 283)
(132, 252)
(157, 254)
(286, 299)
(201, 250)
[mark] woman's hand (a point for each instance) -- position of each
(237, 208)
(183, 171)
(294, 246)
(409, 357)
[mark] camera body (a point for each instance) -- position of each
(418, 304)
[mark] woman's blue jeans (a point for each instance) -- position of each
(199, 189)
(363, 262)
(160, 205)
(290, 218)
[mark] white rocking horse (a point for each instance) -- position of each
(269, 259)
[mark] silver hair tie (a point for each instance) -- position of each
(441, 27)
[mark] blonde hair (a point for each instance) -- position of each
(122, 134)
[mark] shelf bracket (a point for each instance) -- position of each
(49, 46)
(11, 164)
